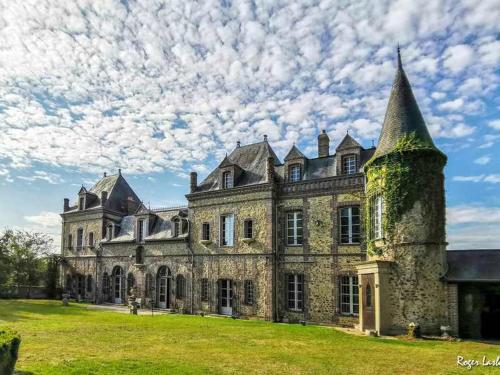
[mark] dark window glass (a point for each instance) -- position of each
(227, 180)
(149, 285)
(295, 292)
(349, 164)
(205, 232)
(141, 228)
(81, 204)
(70, 241)
(294, 228)
(79, 239)
(91, 239)
(180, 286)
(248, 228)
(130, 282)
(249, 292)
(89, 283)
(349, 295)
(139, 255)
(349, 225)
(294, 173)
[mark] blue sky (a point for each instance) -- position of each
(162, 88)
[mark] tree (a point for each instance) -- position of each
(24, 254)
(52, 264)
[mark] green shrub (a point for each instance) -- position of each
(9, 347)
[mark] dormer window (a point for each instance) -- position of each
(349, 164)
(81, 203)
(109, 232)
(227, 180)
(294, 173)
(141, 230)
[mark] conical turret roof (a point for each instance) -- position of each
(402, 118)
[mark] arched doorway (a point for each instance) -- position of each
(163, 287)
(118, 285)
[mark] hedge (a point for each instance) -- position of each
(9, 347)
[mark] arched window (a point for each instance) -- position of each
(91, 239)
(180, 286)
(89, 283)
(139, 255)
(118, 285)
(368, 295)
(130, 282)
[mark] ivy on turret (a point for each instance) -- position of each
(399, 177)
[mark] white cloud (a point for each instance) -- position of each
(483, 160)
(472, 214)
(494, 124)
(458, 57)
(96, 86)
(491, 178)
(45, 219)
(51, 178)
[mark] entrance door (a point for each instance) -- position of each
(226, 297)
(368, 283)
(163, 280)
(118, 286)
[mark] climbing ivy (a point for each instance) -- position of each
(400, 177)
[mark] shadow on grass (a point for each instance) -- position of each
(12, 310)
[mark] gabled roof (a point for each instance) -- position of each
(294, 153)
(403, 117)
(82, 190)
(226, 162)
(348, 142)
(252, 159)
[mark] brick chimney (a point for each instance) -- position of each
(193, 181)
(323, 144)
(66, 205)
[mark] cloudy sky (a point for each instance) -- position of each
(161, 88)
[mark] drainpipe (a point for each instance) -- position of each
(275, 261)
(192, 267)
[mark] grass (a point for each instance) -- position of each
(77, 340)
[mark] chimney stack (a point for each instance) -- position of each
(193, 182)
(104, 197)
(270, 169)
(323, 144)
(120, 171)
(265, 137)
(105, 174)
(66, 205)
(238, 144)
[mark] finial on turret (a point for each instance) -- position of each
(120, 171)
(265, 137)
(400, 63)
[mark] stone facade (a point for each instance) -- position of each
(282, 241)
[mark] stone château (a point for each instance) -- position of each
(355, 237)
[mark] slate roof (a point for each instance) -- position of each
(294, 153)
(119, 192)
(162, 227)
(402, 116)
(251, 158)
(348, 142)
(473, 265)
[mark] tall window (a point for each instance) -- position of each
(91, 239)
(139, 255)
(368, 295)
(349, 225)
(295, 292)
(249, 292)
(349, 295)
(81, 203)
(227, 180)
(141, 230)
(294, 173)
(89, 283)
(70, 241)
(227, 230)
(377, 211)
(205, 232)
(248, 228)
(180, 284)
(294, 228)
(79, 239)
(349, 164)
(109, 232)
(204, 289)
(105, 283)
(130, 282)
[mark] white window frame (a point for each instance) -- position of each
(293, 290)
(227, 231)
(378, 210)
(295, 173)
(349, 295)
(350, 225)
(349, 164)
(227, 180)
(293, 240)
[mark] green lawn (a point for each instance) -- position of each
(77, 340)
